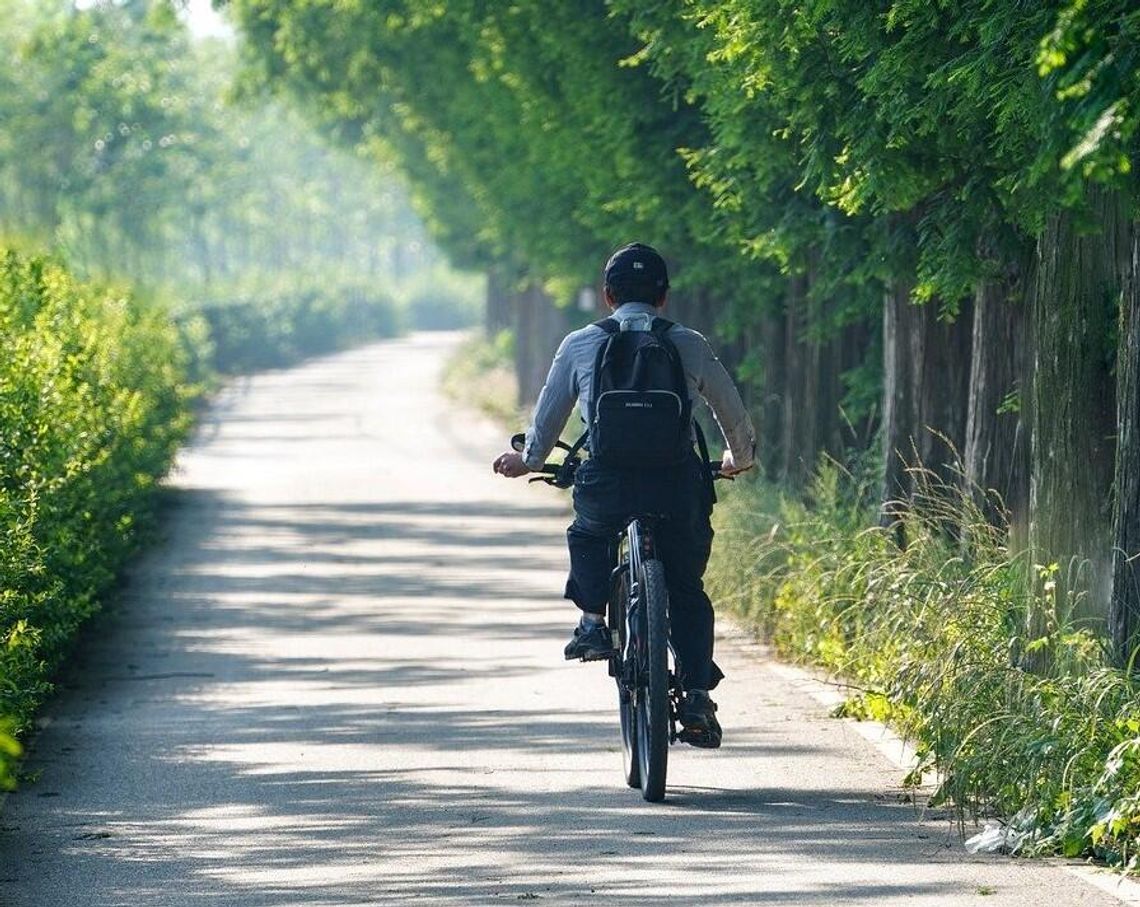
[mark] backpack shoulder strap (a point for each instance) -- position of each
(612, 329)
(661, 326)
(660, 329)
(706, 463)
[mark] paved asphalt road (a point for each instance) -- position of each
(338, 679)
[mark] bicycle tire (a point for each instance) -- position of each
(652, 700)
(630, 762)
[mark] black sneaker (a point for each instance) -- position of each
(592, 644)
(699, 726)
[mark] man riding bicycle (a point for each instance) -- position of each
(607, 494)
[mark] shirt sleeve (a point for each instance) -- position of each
(719, 390)
(555, 403)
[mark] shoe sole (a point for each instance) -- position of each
(591, 656)
(705, 740)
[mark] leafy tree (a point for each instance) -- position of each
(139, 159)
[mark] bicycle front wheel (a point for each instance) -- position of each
(652, 694)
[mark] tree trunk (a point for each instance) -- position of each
(1124, 607)
(831, 362)
(498, 314)
(997, 448)
(858, 350)
(1073, 411)
(801, 367)
(902, 352)
(926, 363)
(770, 402)
(696, 308)
(539, 326)
(944, 393)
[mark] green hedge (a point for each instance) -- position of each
(93, 405)
(272, 327)
(935, 636)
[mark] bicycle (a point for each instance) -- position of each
(643, 663)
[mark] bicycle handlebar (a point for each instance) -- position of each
(561, 475)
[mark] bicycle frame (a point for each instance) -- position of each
(637, 540)
(644, 661)
(632, 539)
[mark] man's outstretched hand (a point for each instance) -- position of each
(511, 465)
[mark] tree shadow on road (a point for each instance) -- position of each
(482, 806)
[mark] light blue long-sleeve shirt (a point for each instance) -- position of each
(571, 379)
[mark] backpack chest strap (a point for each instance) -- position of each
(658, 325)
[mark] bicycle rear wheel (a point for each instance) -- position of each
(652, 693)
(619, 603)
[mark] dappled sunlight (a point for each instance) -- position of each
(276, 629)
(322, 691)
(446, 831)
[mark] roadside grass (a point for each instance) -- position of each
(934, 636)
(480, 374)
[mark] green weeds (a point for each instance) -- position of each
(935, 634)
(481, 375)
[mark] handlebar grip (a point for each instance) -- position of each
(714, 469)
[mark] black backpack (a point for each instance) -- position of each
(640, 412)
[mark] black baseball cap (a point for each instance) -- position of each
(637, 264)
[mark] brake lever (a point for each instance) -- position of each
(558, 475)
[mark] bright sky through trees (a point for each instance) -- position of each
(204, 22)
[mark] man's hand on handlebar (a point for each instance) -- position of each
(511, 465)
(728, 465)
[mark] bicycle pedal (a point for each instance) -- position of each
(705, 740)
